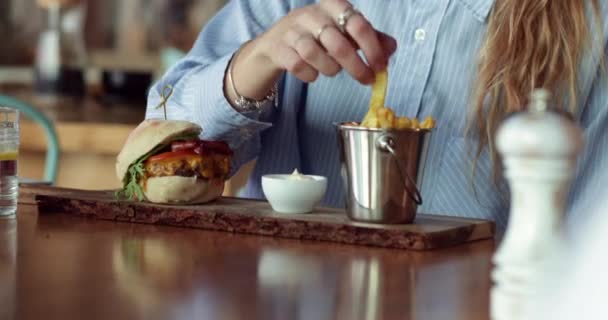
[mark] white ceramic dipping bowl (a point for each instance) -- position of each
(293, 196)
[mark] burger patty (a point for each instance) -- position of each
(212, 166)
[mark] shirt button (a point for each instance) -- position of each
(420, 34)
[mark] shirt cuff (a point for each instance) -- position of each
(220, 121)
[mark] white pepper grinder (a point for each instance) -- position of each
(539, 149)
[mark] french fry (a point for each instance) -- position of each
(378, 95)
(385, 124)
(373, 123)
(386, 117)
(366, 122)
(380, 116)
(428, 123)
(414, 124)
(403, 123)
(382, 112)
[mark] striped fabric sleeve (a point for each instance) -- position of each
(197, 80)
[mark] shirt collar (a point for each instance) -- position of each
(480, 8)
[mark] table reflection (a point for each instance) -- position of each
(147, 270)
(296, 285)
(121, 270)
(8, 267)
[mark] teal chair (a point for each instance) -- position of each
(52, 154)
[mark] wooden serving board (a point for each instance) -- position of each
(256, 217)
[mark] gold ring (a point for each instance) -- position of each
(320, 31)
(344, 16)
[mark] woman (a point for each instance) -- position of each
(467, 63)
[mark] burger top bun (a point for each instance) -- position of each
(183, 190)
(147, 136)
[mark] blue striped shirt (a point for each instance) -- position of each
(430, 74)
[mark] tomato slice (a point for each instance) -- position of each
(184, 145)
(172, 155)
(202, 147)
(219, 147)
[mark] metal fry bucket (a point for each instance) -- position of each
(382, 170)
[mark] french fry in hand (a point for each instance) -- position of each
(378, 95)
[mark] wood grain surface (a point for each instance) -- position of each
(256, 217)
(61, 266)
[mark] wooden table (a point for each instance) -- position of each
(62, 267)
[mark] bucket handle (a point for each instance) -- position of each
(386, 144)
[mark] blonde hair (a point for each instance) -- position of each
(529, 44)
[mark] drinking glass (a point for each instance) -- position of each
(9, 149)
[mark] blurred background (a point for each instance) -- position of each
(121, 29)
(86, 66)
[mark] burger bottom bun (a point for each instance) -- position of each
(183, 190)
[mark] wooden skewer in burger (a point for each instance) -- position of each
(164, 161)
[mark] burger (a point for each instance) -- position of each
(164, 161)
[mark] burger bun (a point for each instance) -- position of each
(183, 190)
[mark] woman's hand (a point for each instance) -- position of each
(309, 41)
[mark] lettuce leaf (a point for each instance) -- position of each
(132, 188)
